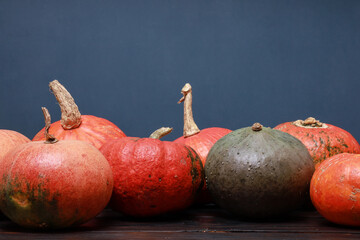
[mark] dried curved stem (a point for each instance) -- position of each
(49, 138)
(70, 114)
(161, 132)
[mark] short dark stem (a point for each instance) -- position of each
(256, 127)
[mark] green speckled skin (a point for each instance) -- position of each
(259, 174)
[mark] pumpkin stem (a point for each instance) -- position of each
(310, 122)
(161, 132)
(49, 138)
(256, 127)
(70, 114)
(190, 127)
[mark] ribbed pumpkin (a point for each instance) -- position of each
(200, 140)
(54, 184)
(258, 172)
(74, 126)
(335, 189)
(321, 139)
(152, 177)
(10, 139)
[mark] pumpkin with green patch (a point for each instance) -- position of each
(54, 184)
(152, 177)
(323, 140)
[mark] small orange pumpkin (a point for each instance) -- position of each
(152, 177)
(335, 189)
(323, 140)
(54, 184)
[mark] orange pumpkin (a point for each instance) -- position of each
(321, 139)
(152, 177)
(74, 126)
(335, 189)
(54, 184)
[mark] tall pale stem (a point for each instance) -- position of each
(190, 127)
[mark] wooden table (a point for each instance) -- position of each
(207, 222)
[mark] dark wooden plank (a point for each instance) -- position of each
(182, 235)
(196, 223)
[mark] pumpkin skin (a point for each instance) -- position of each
(10, 139)
(93, 130)
(74, 126)
(199, 140)
(204, 140)
(54, 185)
(152, 177)
(258, 174)
(335, 189)
(202, 143)
(322, 142)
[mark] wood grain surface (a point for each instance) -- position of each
(207, 222)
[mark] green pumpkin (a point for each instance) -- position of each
(258, 172)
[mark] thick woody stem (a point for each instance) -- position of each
(70, 114)
(49, 138)
(190, 127)
(161, 132)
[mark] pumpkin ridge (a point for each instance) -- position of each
(97, 124)
(9, 136)
(10, 139)
(211, 138)
(194, 173)
(87, 135)
(93, 135)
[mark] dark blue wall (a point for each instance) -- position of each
(269, 61)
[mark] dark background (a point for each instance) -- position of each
(270, 61)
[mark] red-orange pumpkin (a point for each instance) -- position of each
(152, 177)
(322, 140)
(74, 126)
(200, 140)
(335, 189)
(54, 184)
(10, 139)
